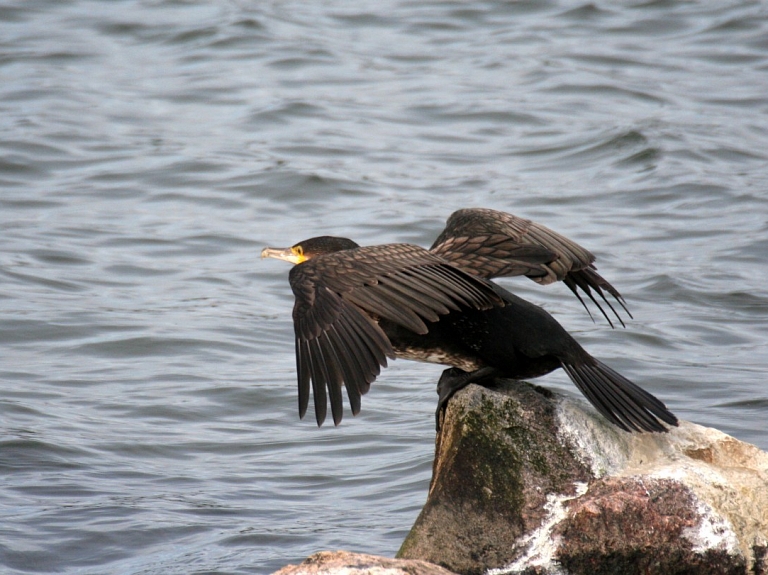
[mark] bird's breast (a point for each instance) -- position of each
(436, 346)
(440, 356)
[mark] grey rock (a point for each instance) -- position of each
(526, 481)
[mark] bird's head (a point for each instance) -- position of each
(308, 249)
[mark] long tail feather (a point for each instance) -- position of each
(619, 400)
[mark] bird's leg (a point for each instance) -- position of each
(455, 379)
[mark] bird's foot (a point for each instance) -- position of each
(453, 380)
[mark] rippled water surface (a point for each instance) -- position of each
(149, 150)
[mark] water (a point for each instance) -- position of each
(149, 150)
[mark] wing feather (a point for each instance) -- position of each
(350, 370)
(362, 358)
(373, 300)
(406, 299)
(333, 375)
(303, 371)
(405, 284)
(490, 244)
(341, 295)
(319, 380)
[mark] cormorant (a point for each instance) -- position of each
(357, 306)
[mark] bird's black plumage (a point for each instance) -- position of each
(491, 244)
(340, 298)
(358, 306)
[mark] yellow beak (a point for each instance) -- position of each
(285, 254)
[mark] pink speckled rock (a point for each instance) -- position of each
(346, 563)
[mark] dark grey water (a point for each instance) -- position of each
(149, 150)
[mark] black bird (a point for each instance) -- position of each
(357, 306)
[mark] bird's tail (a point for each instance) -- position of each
(618, 399)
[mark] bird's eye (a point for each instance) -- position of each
(299, 251)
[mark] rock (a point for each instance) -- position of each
(526, 481)
(346, 563)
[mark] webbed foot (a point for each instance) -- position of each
(453, 380)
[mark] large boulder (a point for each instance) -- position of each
(526, 481)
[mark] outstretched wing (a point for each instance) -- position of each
(339, 297)
(489, 244)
